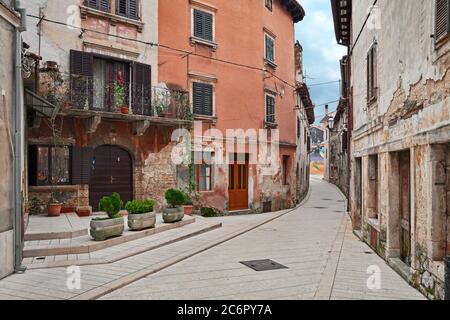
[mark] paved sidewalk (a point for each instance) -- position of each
(325, 261)
(99, 279)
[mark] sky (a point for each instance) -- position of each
(321, 53)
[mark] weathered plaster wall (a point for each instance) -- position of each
(412, 113)
(56, 41)
(6, 148)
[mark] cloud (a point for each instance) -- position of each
(321, 52)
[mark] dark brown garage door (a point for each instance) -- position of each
(112, 172)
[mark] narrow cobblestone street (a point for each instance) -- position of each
(315, 241)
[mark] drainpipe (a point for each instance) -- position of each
(18, 137)
(447, 278)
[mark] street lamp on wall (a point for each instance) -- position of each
(331, 122)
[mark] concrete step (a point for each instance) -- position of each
(85, 244)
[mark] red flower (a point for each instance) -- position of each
(120, 77)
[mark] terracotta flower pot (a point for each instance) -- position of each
(188, 210)
(125, 110)
(54, 210)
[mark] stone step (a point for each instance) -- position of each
(85, 244)
(67, 226)
(127, 249)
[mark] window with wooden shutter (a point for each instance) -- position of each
(103, 5)
(128, 8)
(202, 94)
(270, 48)
(82, 158)
(81, 79)
(270, 109)
(372, 74)
(442, 23)
(203, 25)
(142, 89)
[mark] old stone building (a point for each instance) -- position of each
(305, 118)
(400, 147)
(242, 79)
(111, 124)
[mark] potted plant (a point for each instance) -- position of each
(54, 207)
(120, 94)
(140, 214)
(111, 226)
(188, 205)
(174, 211)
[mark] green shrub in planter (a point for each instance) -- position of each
(140, 206)
(111, 205)
(140, 214)
(175, 198)
(210, 212)
(113, 225)
(174, 212)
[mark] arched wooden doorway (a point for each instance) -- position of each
(112, 171)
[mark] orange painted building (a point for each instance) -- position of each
(236, 59)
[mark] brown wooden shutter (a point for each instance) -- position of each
(142, 89)
(81, 78)
(81, 165)
(442, 23)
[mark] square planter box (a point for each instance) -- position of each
(141, 221)
(105, 229)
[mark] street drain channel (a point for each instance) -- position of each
(319, 207)
(263, 265)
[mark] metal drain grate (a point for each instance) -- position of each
(264, 265)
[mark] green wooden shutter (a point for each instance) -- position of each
(203, 99)
(270, 49)
(203, 25)
(270, 109)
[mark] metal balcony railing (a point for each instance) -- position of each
(88, 93)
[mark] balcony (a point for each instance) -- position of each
(94, 97)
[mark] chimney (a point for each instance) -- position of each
(326, 109)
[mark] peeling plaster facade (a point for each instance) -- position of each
(400, 167)
(147, 140)
(8, 22)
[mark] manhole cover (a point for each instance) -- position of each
(263, 265)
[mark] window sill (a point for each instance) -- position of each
(211, 119)
(212, 44)
(113, 18)
(270, 64)
(269, 125)
(60, 188)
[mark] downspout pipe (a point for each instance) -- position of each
(18, 138)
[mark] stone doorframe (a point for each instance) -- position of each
(393, 241)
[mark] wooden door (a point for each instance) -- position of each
(238, 184)
(111, 172)
(405, 207)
